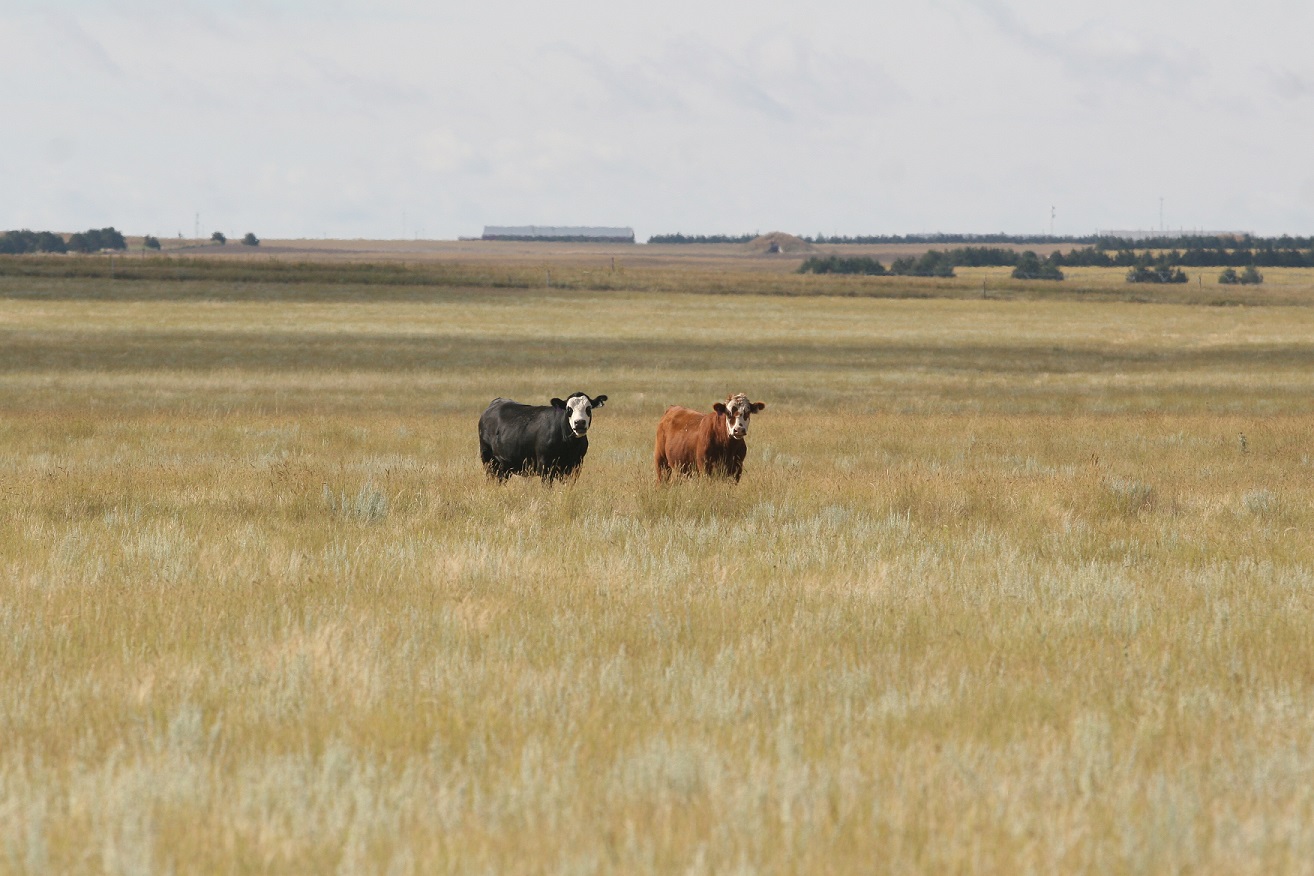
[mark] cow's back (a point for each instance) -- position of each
(508, 434)
(506, 414)
(680, 433)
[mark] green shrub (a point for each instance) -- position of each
(1151, 274)
(841, 265)
(1031, 267)
(932, 263)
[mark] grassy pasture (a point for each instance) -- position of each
(1009, 585)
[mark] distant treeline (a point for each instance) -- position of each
(1184, 242)
(92, 240)
(1098, 241)
(937, 263)
(701, 238)
(1191, 241)
(1264, 257)
(879, 238)
(1033, 239)
(1095, 257)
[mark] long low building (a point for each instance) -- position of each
(572, 233)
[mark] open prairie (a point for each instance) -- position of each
(1016, 584)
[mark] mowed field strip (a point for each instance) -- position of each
(1007, 586)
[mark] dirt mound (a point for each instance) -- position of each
(779, 242)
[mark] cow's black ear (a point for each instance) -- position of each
(599, 401)
(558, 403)
(719, 407)
(759, 406)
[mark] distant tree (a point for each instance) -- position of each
(96, 239)
(219, 238)
(841, 265)
(105, 238)
(1031, 267)
(49, 241)
(1251, 276)
(932, 263)
(13, 243)
(149, 242)
(1088, 257)
(1151, 274)
(1229, 277)
(20, 241)
(983, 256)
(250, 240)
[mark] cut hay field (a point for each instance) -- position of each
(1008, 586)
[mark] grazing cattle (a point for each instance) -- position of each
(713, 444)
(545, 440)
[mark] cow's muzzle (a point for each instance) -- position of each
(580, 429)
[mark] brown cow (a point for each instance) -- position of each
(713, 444)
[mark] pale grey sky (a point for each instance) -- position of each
(373, 118)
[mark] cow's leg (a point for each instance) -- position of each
(661, 463)
(705, 464)
(486, 456)
(733, 465)
(659, 458)
(493, 467)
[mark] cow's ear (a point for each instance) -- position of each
(759, 406)
(558, 403)
(599, 401)
(719, 407)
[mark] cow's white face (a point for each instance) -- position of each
(737, 410)
(579, 413)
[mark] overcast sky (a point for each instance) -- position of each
(386, 119)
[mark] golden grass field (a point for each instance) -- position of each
(1008, 586)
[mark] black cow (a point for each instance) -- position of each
(545, 440)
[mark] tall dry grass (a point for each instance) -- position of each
(1005, 587)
